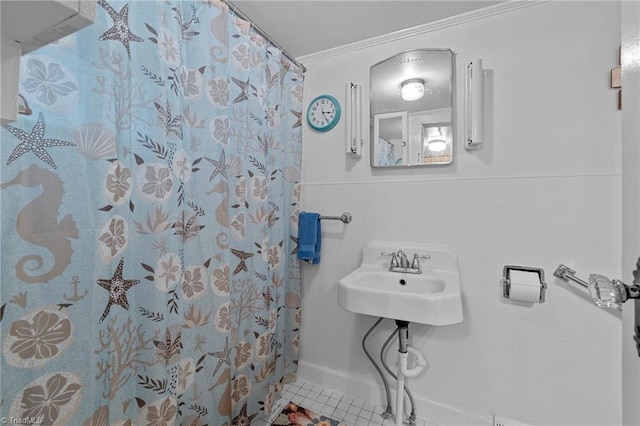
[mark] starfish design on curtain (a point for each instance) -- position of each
(295, 240)
(117, 288)
(242, 419)
(243, 85)
(223, 357)
(35, 142)
(242, 255)
(120, 30)
(221, 166)
(298, 122)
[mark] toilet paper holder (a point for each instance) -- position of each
(506, 279)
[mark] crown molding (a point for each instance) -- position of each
(505, 7)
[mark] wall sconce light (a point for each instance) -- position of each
(474, 105)
(353, 117)
(412, 89)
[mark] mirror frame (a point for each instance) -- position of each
(452, 97)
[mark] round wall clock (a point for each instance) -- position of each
(323, 113)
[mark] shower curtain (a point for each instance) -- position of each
(149, 222)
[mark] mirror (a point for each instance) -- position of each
(412, 109)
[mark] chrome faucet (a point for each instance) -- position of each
(402, 259)
(400, 262)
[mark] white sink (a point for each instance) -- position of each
(432, 297)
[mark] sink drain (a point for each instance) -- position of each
(403, 282)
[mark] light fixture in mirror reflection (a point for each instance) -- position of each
(412, 109)
(436, 143)
(412, 89)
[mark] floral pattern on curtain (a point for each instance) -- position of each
(149, 222)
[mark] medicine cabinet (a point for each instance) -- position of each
(412, 104)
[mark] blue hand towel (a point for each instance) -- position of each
(309, 237)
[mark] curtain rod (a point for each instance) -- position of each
(242, 15)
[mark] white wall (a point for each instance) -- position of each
(545, 190)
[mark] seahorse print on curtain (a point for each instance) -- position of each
(148, 228)
(38, 224)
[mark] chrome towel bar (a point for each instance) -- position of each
(565, 273)
(344, 218)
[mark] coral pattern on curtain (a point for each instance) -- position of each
(149, 222)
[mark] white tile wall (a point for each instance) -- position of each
(541, 193)
(504, 357)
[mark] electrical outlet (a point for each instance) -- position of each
(505, 421)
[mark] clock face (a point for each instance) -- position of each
(323, 113)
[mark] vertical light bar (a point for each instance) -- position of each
(474, 105)
(353, 125)
(358, 112)
(349, 114)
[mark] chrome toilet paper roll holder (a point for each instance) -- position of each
(506, 279)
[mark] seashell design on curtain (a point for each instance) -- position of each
(149, 222)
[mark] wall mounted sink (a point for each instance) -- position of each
(432, 297)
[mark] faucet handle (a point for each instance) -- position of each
(415, 264)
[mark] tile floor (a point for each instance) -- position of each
(331, 403)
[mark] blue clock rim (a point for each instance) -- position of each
(333, 122)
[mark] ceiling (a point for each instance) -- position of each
(303, 27)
